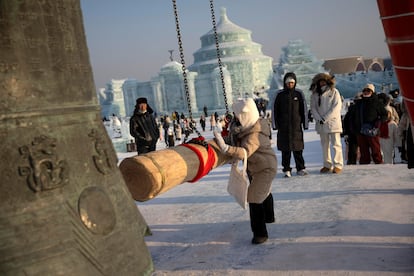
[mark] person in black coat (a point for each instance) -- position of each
(290, 112)
(143, 127)
(368, 110)
(350, 133)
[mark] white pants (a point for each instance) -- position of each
(387, 148)
(334, 139)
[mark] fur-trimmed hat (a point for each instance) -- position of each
(142, 100)
(246, 112)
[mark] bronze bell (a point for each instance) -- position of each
(65, 209)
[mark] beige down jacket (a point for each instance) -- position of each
(329, 111)
(326, 106)
(261, 158)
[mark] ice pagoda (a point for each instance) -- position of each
(246, 72)
(249, 70)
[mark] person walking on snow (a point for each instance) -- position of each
(290, 112)
(250, 132)
(326, 105)
(203, 122)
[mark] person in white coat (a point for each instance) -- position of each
(326, 105)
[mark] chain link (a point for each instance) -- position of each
(180, 47)
(213, 19)
(186, 89)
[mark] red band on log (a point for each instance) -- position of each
(204, 167)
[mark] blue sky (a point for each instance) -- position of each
(131, 38)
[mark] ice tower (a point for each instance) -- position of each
(112, 99)
(245, 66)
(296, 57)
(245, 71)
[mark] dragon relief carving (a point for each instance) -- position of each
(44, 171)
(102, 161)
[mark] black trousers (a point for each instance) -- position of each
(260, 214)
(299, 161)
(352, 150)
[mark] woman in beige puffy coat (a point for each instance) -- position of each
(250, 132)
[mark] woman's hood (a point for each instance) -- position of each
(246, 112)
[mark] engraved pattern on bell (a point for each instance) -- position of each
(44, 171)
(96, 211)
(101, 160)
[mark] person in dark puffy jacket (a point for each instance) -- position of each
(143, 127)
(350, 133)
(289, 112)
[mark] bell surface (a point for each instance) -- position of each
(65, 208)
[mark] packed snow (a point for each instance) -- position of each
(360, 222)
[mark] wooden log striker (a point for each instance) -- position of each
(151, 174)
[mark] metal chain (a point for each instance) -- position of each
(186, 89)
(213, 19)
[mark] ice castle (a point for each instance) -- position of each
(249, 69)
(351, 73)
(246, 71)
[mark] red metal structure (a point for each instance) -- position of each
(398, 22)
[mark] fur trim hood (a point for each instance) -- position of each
(330, 80)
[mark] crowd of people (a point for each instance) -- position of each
(389, 126)
(373, 126)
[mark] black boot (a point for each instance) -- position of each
(259, 240)
(257, 223)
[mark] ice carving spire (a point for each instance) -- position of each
(223, 14)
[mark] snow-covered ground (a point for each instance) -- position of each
(360, 222)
